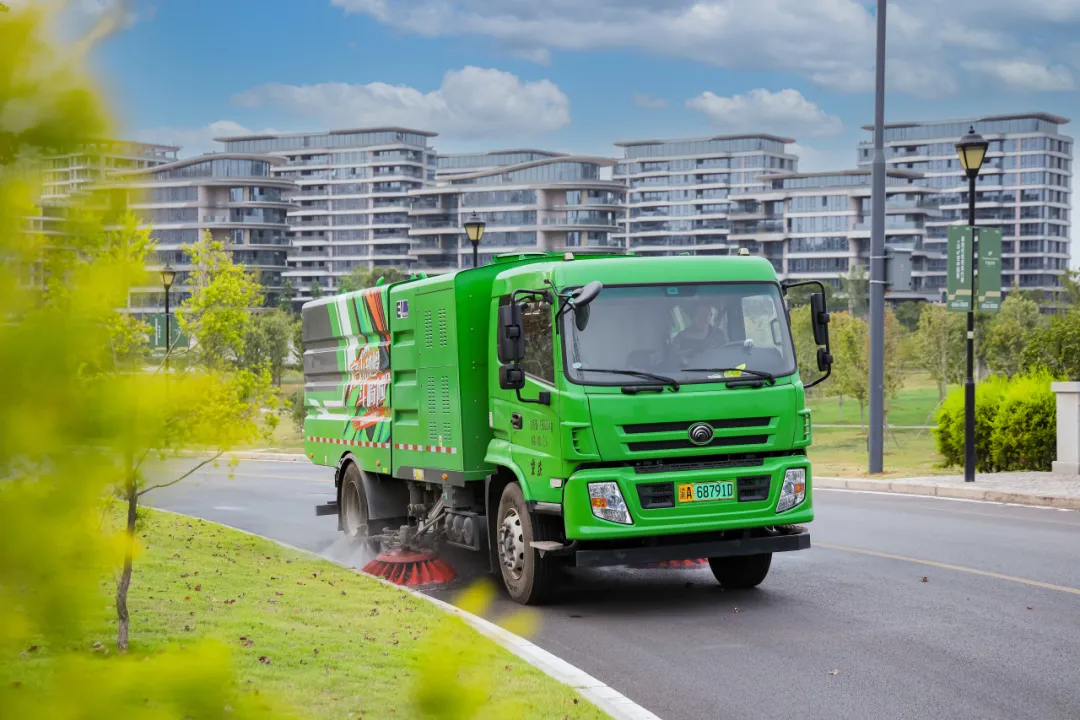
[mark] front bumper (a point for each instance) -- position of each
(746, 511)
(796, 539)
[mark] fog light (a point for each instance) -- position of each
(793, 491)
(607, 503)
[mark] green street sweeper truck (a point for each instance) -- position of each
(553, 409)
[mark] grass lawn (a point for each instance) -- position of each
(914, 404)
(309, 636)
(908, 453)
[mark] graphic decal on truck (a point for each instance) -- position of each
(368, 369)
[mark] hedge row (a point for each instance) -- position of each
(1015, 424)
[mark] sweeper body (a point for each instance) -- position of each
(549, 410)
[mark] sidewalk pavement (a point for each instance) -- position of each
(1022, 488)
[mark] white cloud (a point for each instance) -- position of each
(472, 102)
(813, 159)
(648, 101)
(1026, 75)
(784, 111)
(830, 42)
(196, 141)
(538, 55)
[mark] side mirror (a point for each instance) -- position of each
(511, 341)
(819, 317)
(581, 317)
(824, 360)
(587, 294)
(511, 377)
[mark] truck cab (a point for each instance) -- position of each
(577, 410)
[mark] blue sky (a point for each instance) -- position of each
(576, 75)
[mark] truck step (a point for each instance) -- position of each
(546, 546)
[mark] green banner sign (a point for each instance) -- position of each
(157, 331)
(958, 286)
(988, 286)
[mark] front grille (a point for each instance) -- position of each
(754, 488)
(683, 465)
(652, 445)
(656, 495)
(684, 425)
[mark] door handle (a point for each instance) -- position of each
(516, 421)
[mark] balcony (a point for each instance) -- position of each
(577, 219)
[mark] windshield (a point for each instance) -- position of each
(680, 332)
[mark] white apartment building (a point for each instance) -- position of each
(351, 202)
(678, 191)
(529, 200)
(817, 225)
(1024, 189)
(234, 196)
(65, 175)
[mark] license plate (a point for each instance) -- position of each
(702, 492)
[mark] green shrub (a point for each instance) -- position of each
(1015, 424)
(950, 432)
(1025, 430)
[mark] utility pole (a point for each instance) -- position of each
(877, 260)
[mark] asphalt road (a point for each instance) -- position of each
(848, 629)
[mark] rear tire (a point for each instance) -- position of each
(529, 578)
(354, 511)
(741, 572)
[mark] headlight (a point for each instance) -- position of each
(607, 503)
(794, 490)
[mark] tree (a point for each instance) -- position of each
(1070, 288)
(316, 290)
(68, 402)
(285, 299)
(1055, 347)
(268, 342)
(360, 278)
(908, 314)
(1007, 334)
(856, 286)
(850, 340)
(939, 346)
(217, 312)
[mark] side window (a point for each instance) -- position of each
(761, 321)
(539, 358)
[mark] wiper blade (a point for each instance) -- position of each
(756, 373)
(636, 373)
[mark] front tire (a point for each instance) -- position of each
(529, 578)
(741, 572)
(355, 522)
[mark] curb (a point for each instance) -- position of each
(900, 487)
(607, 699)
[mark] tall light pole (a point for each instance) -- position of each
(167, 277)
(972, 150)
(877, 261)
(474, 228)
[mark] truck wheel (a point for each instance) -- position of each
(528, 577)
(741, 572)
(354, 510)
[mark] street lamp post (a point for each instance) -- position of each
(972, 150)
(167, 277)
(474, 228)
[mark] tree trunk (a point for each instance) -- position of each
(122, 620)
(841, 409)
(941, 391)
(862, 415)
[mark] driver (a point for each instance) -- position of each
(701, 334)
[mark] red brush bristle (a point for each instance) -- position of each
(403, 567)
(678, 563)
